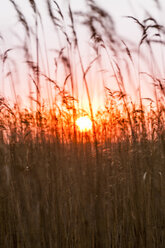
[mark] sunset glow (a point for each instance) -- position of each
(84, 123)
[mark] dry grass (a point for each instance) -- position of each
(103, 188)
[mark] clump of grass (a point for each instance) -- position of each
(101, 188)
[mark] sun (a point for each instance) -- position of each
(84, 123)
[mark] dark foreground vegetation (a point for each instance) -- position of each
(60, 195)
(61, 188)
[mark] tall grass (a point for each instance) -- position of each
(64, 188)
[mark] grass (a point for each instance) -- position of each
(102, 188)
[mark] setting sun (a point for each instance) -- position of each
(84, 123)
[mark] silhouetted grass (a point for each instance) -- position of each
(60, 187)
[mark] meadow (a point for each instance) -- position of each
(105, 187)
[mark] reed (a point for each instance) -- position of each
(60, 187)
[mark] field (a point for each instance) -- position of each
(61, 187)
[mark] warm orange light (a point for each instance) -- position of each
(84, 123)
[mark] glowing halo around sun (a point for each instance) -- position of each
(84, 123)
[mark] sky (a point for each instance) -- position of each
(12, 31)
(118, 8)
